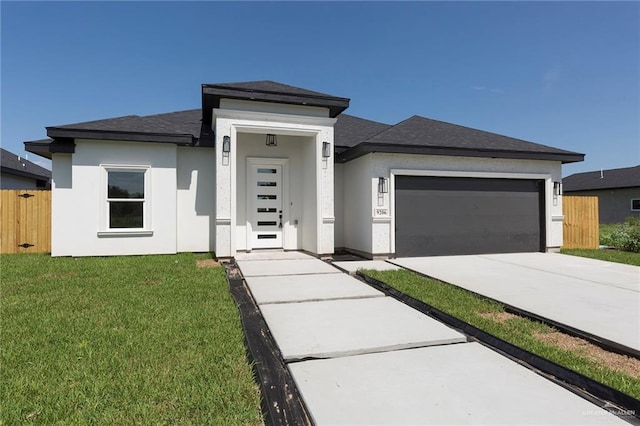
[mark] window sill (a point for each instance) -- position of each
(130, 233)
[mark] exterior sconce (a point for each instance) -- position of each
(226, 145)
(271, 140)
(557, 188)
(326, 150)
(383, 185)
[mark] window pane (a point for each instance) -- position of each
(266, 184)
(266, 170)
(126, 185)
(635, 204)
(124, 214)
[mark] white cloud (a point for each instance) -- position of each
(483, 88)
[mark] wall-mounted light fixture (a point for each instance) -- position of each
(326, 150)
(557, 188)
(383, 185)
(271, 140)
(226, 145)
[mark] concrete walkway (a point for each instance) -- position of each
(359, 357)
(600, 298)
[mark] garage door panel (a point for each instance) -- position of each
(445, 216)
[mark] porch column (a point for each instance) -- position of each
(225, 189)
(325, 187)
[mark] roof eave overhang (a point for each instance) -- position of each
(211, 95)
(367, 148)
(46, 148)
(65, 133)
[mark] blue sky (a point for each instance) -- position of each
(565, 74)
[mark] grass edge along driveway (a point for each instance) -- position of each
(121, 340)
(491, 317)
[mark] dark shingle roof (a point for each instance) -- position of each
(350, 130)
(354, 136)
(14, 165)
(421, 135)
(270, 86)
(606, 179)
(268, 91)
(174, 123)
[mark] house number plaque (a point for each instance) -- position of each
(382, 212)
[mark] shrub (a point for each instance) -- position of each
(624, 236)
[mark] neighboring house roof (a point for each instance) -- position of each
(13, 164)
(353, 136)
(419, 135)
(603, 179)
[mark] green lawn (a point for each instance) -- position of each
(121, 340)
(617, 256)
(519, 331)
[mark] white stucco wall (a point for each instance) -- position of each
(62, 204)
(338, 194)
(195, 199)
(369, 219)
(79, 206)
(314, 232)
(8, 181)
(310, 214)
(358, 204)
(273, 108)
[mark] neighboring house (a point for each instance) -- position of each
(263, 165)
(20, 173)
(618, 191)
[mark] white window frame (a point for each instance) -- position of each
(632, 200)
(146, 229)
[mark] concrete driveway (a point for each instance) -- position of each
(597, 297)
(360, 357)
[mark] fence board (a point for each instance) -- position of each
(580, 228)
(25, 221)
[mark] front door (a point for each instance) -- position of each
(266, 207)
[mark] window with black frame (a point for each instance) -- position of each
(126, 198)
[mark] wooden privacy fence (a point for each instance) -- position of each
(580, 228)
(25, 221)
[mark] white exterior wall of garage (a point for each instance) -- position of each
(369, 217)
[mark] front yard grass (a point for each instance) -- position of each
(530, 335)
(121, 340)
(609, 255)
